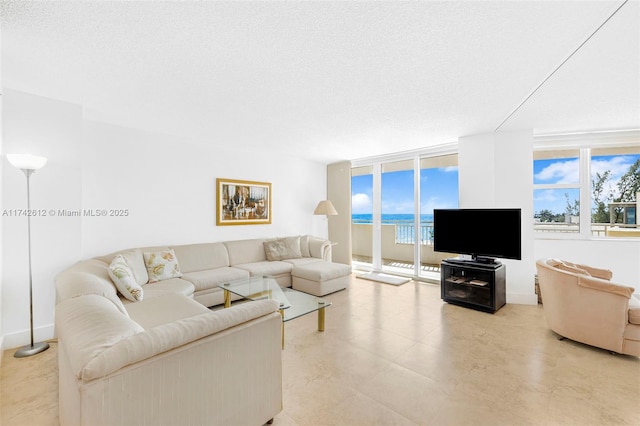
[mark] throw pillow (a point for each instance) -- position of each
(282, 248)
(162, 265)
(122, 276)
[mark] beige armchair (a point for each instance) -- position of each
(582, 304)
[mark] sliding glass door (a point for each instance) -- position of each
(392, 205)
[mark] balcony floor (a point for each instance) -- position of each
(403, 267)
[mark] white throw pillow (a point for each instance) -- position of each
(162, 265)
(283, 248)
(122, 276)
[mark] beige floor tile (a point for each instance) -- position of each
(400, 356)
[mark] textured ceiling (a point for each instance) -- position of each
(330, 80)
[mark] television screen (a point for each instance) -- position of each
(481, 233)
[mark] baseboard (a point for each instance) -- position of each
(522, 299)
(1, 348)
(23, 337)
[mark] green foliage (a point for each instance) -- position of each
(628, 187)
(572, 208)
(548, 216)
(600, 213)
(629, 183)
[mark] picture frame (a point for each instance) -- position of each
(242, 202)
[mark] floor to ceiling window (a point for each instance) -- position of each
(392, 205)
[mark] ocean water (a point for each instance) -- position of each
(391, 218)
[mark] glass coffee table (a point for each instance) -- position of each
(293, 303)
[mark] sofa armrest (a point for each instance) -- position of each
(169, 336)
(606, 286)
(320, 248)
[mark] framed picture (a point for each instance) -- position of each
(242, 202)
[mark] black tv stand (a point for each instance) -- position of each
(479, 286)
(476, 261)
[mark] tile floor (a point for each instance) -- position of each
(400, 356)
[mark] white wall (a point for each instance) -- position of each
(166, 182)
(39, 126)
(168, 186)
(495, 170)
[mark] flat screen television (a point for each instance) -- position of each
(485, 234)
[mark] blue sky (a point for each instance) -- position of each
(439, 189)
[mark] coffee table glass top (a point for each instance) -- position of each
(293, 303)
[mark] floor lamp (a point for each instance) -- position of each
(29, 164)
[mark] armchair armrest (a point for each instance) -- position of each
(604, 274)
(606, 286)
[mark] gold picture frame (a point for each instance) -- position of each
(242, 202)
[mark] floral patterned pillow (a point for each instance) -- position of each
(122, 276)
(282, 248)
(162, 265)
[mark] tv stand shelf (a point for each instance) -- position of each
(473, 285)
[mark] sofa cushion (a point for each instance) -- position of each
(173, 286)
(303, 261)
(135, 260)
(304, 246)
(266, 268)
(211, 278)
(164, 309)
(162, 265)
(245, 251)
(200, 257)
(122, 276)
(634, 310)
(282, 248)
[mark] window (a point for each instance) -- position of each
(607, 179)
(615, 177)
(556, 195)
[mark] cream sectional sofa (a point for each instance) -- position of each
(167, 358)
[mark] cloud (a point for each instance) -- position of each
(618, 165)
(361, 203)
(560, 172)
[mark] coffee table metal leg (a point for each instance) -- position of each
(227, 299)
(321, 317)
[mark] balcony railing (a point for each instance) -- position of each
(405, 230)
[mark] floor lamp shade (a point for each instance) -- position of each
(29, 164)
(325, 207)
(26, 161)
